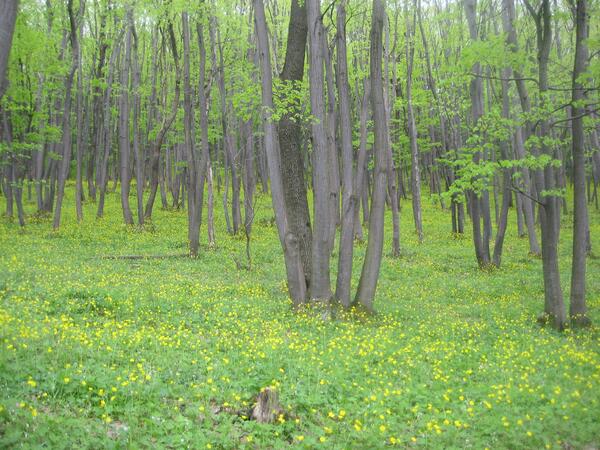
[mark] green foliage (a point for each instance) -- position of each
(172, 352)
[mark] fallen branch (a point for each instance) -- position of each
(177, 255)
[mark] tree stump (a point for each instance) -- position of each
(267, 406)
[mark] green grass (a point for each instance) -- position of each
(171, 353)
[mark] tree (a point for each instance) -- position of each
(349, 199)
(554, 308)
(321, 246)
(365, 293)
(289, 131)
(578, 307)
(8, 17)
(294, 270)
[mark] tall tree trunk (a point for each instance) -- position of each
(506, 176)
(295, 276)
(578, 308)
(80, 127)
(320, 282)
(165, 126)
(359, 181)
(190, 151)
(477, 201)
(289, 131)
(124, 142)
(554, 308)
(8, 17)
(102, 170)
(67, 144)
(365, 293)
(137, 152)
(349, 200)
(205, 155)
(415, 176)
(508, 18)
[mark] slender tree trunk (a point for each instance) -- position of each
(506, 177)
(124, 142)
(349, 199)
(320, 282)
(479, 202)
(80, 127)
(137, 152)
(415, 176)
(102, 170)
(508, 18)
(370, 270)
(578, 307)
(67, 144)
(8, 17)
(166, 125)
(205, 156)
(554, 308)
(190, 151)
(359, 181)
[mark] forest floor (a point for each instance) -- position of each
(171, 353)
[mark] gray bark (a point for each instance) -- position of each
(320, 282)
(290, 135)
(8, 16)
(349, 200)
(578, 307)
(371, 265)
(295, 276)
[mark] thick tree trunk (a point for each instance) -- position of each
(370, 270)
(295, 275)
(290, 135)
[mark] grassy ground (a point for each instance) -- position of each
(171, 353)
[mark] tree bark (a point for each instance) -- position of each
(508, 18)
(371, 265)
(578, 307)
(137, 151)
(67, 140)
(124, 142)
(477, 200)
(554, 308)
(320, 282)
(295, 276)
(289, 130)
(349, 200)
(8, 17)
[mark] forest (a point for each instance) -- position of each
(300, 223)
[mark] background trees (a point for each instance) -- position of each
(440, 102)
